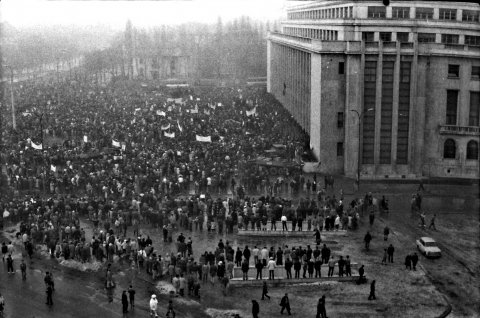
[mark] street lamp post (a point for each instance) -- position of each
(14, 121)
(360, 118)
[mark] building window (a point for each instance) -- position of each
(340, 120)
(472, 40)
(402, 37)
(450, 38)
(475, 73)
(470, 16)
(453, 71)
(339, 149)
(426, 37)
(386, 36)
(424, 13)
(377, 12)
(474, 114)
(452, 101)
(368, 36)
(400, 12)
(341, 68)
(448, 14)
(472, 150)
(449, 149)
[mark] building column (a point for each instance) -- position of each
(418, 89)
(269, 66)
(353, 101)
(395, 114)
(315, 103)
(378, 108)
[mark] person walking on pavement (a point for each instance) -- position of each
(321, 311)
(408, 262)
(255, 309)
(10, 269)
(170, 311)
(265, 291)
(285, 303)
(390, 251)
(124, 302)
(386, 232)
(414, 258)
(131, 294)
(372, 291)
(432, 223)
(23, 268)
(371, 218)
(367, 239)
(49, 295)
(153, 305)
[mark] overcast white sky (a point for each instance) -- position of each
(143, 13)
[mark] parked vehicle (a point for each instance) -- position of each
(428, 247)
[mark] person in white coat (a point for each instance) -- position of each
(153, 305)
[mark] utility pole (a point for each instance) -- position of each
(360, 119)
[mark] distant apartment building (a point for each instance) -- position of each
(395, 87)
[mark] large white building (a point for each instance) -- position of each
(399, 83)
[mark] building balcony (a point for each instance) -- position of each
(459, 130)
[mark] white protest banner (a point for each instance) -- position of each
(35, 146)
(85, 139)
(53, 168)
(203, 138)
(193, 111)
(171, 135)
(219, 105)
(165, 127)
(179, 127)
(137, 109)
(251, 112)
(170, 99)
(191, 97)
(26, 114)
(117, 157)
(160, 113)
(178, 100)
(198, 99)
(115, 143)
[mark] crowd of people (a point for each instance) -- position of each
(124, 156)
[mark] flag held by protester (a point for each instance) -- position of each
(161, 113)
(115, 143)
(85, 138)
(251, 112)
(169, 135)
(53, 168)
(179, 127)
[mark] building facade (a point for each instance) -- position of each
(390, 90)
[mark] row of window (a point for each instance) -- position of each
(332, 13)
(450, 150)
(329, 35)
(452, 105)
(470, 40)
(454, 71)
(380, 12)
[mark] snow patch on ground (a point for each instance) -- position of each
(186, 301)
(84, 267)
(165, 288)
(217, 313)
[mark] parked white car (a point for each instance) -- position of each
(428, 247)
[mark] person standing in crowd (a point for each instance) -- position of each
(245, 267)
(259, 267)
(386, 232)
(432, 223)
(390, 251)
(153, 305)
(331, 266)
(271, 268)
(265, 291)
(285, 303)
(408, 262)
(288, 268)
(255, 309)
